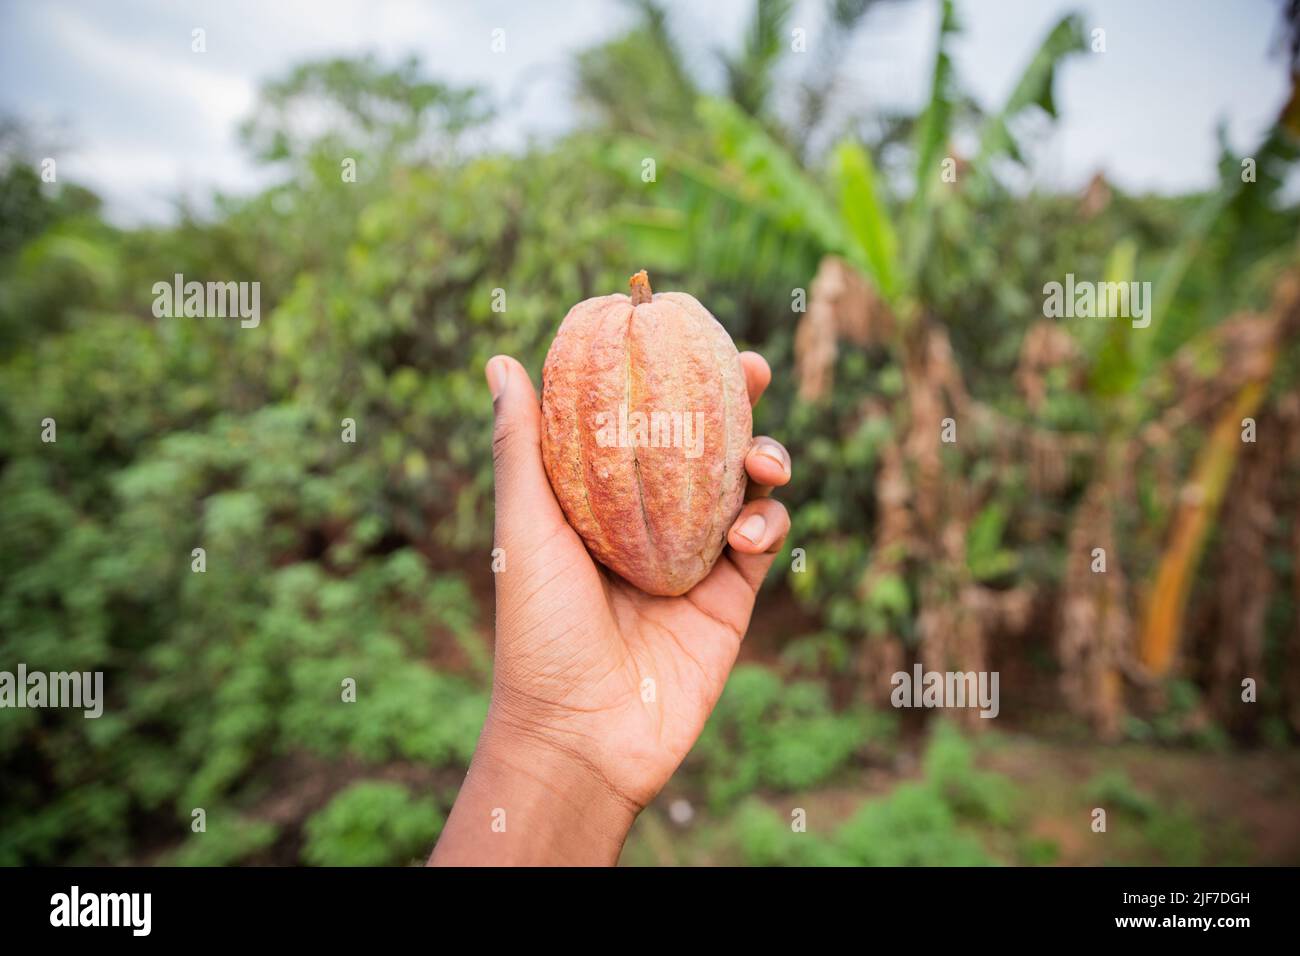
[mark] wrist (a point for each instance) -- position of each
(528, 802)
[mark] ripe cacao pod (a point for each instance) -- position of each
(646, 424)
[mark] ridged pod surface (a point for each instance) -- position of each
(652, 496)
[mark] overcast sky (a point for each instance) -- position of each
(142, 119)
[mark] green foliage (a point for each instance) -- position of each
(325, 561)
(1035, 88)
(913, 826)
(1037, 851)
(1146, 828)
(638, 82)
(328, 561)
(863, 209)
(1114, 789)
(822, 653)
(1175, 839)
(767, 733)
(750, 74)
(973, 794)
(372, 823)
(917, 824)
(341, 106)
(933, 127)
(1181, 721)
(224, 843)
(768, 176)
(985, 556)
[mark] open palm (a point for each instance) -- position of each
(621, 680)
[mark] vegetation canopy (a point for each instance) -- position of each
(1103, 529)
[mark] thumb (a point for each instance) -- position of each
(525, 503)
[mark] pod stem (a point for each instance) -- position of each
(640, 285)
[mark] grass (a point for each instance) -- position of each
(1000, 799)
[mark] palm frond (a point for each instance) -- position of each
(930, 140)
(750, 74)
(762, 171)
(1034, 88)
(866, 216)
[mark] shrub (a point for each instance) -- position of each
(917, 824)
(767, 733)
(372, 823)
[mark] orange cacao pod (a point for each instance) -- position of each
(646, 424)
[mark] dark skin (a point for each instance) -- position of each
(572, 750)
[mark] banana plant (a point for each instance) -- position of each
(758, 185)
(1226, 214)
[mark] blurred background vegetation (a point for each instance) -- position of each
(921, 300)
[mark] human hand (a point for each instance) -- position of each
(599, 689)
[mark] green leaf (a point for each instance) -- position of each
(1033, 89)
(931, 138)
(1114, 372)
(750, 75)
(985, 557)
(865, 214)
(771, 176)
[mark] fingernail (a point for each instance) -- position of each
(498, 374)
(772, 453)
(751, 529)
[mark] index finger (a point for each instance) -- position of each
(757, 374)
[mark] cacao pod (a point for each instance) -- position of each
(646, 424)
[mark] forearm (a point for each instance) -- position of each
(525, 803)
